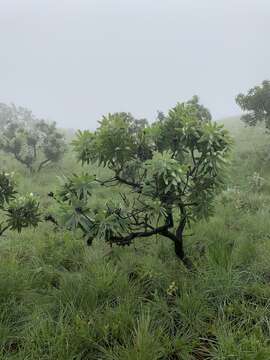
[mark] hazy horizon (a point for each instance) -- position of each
(72, 62)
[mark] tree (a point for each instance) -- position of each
(15, 114)
(202, 113)
(257, 105)
(33, 142)
(17, 212)
(167, 173)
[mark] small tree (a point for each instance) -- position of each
(17, 212)
(168, 174)
(33, 142)
(257, 105)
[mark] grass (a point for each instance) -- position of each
(61, 300)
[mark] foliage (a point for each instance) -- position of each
(202, 113)
(257, 105)
(33, 142)
(170, 172)
(19, 211)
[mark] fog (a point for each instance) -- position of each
(73, 61)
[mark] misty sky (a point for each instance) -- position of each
(74, 60)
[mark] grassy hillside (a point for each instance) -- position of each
(63, 300)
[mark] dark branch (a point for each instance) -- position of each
(129, 183)
(51, 219)
(162, 230)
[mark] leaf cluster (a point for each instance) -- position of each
(18, 211)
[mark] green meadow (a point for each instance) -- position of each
(63, 300)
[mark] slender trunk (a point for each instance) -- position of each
(178, 244)
(179, 239)
(179, 249)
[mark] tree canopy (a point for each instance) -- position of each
(256, 104)
(167, 173)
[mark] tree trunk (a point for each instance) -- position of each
(177, 239)
(178, 243)
(178, 247)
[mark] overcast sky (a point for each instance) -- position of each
(74, 60)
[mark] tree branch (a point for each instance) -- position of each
(129, 183)
(162, 230)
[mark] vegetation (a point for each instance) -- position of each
(33, 142)
(63, 300)
(170, 173)
(20, 211)
(257, 105)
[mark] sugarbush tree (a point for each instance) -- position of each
(256, 104)
(167, 175)
(33, 142)
(16, 211)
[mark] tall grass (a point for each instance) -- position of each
(61, 300)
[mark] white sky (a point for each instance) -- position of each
(74, 60)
